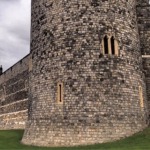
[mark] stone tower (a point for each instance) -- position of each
(86, 81)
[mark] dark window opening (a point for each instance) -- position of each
(60, 94)
(113, 45)
(106, 45)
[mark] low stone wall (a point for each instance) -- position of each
(15, 120)
(14, 95)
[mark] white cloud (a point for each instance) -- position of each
(14, 31)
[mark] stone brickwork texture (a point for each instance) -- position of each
(101, 96)
(101, 99)
(143, 14)
(146, 65)
(14, 96)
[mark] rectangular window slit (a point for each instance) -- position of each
(60, 93)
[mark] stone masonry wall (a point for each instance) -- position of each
(146, 66)
(142, 2)
(143, 14)
(101, 100)
(14, 95)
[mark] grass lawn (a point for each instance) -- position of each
(10, 140)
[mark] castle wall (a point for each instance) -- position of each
(142, 2)
(101, 100)
(146, 66)
(14, 95)
(143, 13)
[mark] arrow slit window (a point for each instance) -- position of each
(60, 93)
(141, 97)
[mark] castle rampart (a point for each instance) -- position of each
(14, 95)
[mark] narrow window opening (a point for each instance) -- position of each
(110, 45)
(60, 89)
(113, 45)
(106, 45)
(141, 97)
(60, 93)
(30, 64)
(4, 93)
(26, 84)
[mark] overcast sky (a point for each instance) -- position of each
(14, 31)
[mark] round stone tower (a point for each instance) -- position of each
(86, 83)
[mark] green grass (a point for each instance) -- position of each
(10, 140)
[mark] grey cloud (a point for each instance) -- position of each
(14, 31)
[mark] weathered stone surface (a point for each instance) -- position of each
(146, 65)
(15, 120)
(101, 100)
(14, 95)
(101, 92)
(143, 14)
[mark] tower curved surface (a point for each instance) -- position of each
(100, 92)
